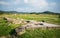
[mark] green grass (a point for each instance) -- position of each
(49, 18)
(6, 27)
(38, 33)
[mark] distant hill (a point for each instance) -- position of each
(49, 12)
(13, 12)
(45, 12)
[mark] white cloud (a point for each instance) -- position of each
(36, 5)
(4, 3)
(22, 9)
(25, 1)
(40, 3)
(17, 1)
(31, 5)
(53, 4)
(28, 9)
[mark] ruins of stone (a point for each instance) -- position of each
(30, 24)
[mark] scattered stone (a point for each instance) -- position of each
(41, 24)
(20, 30)
(8, 19)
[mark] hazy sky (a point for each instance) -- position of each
(30, 5)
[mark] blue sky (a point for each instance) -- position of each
(30, 5)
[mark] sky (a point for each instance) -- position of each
(30, 5)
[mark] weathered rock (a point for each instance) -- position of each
(39, 23)
(8, 19)
(15, 21)
(20, 30)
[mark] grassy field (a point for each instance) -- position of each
(50, 18)
(37, 33)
